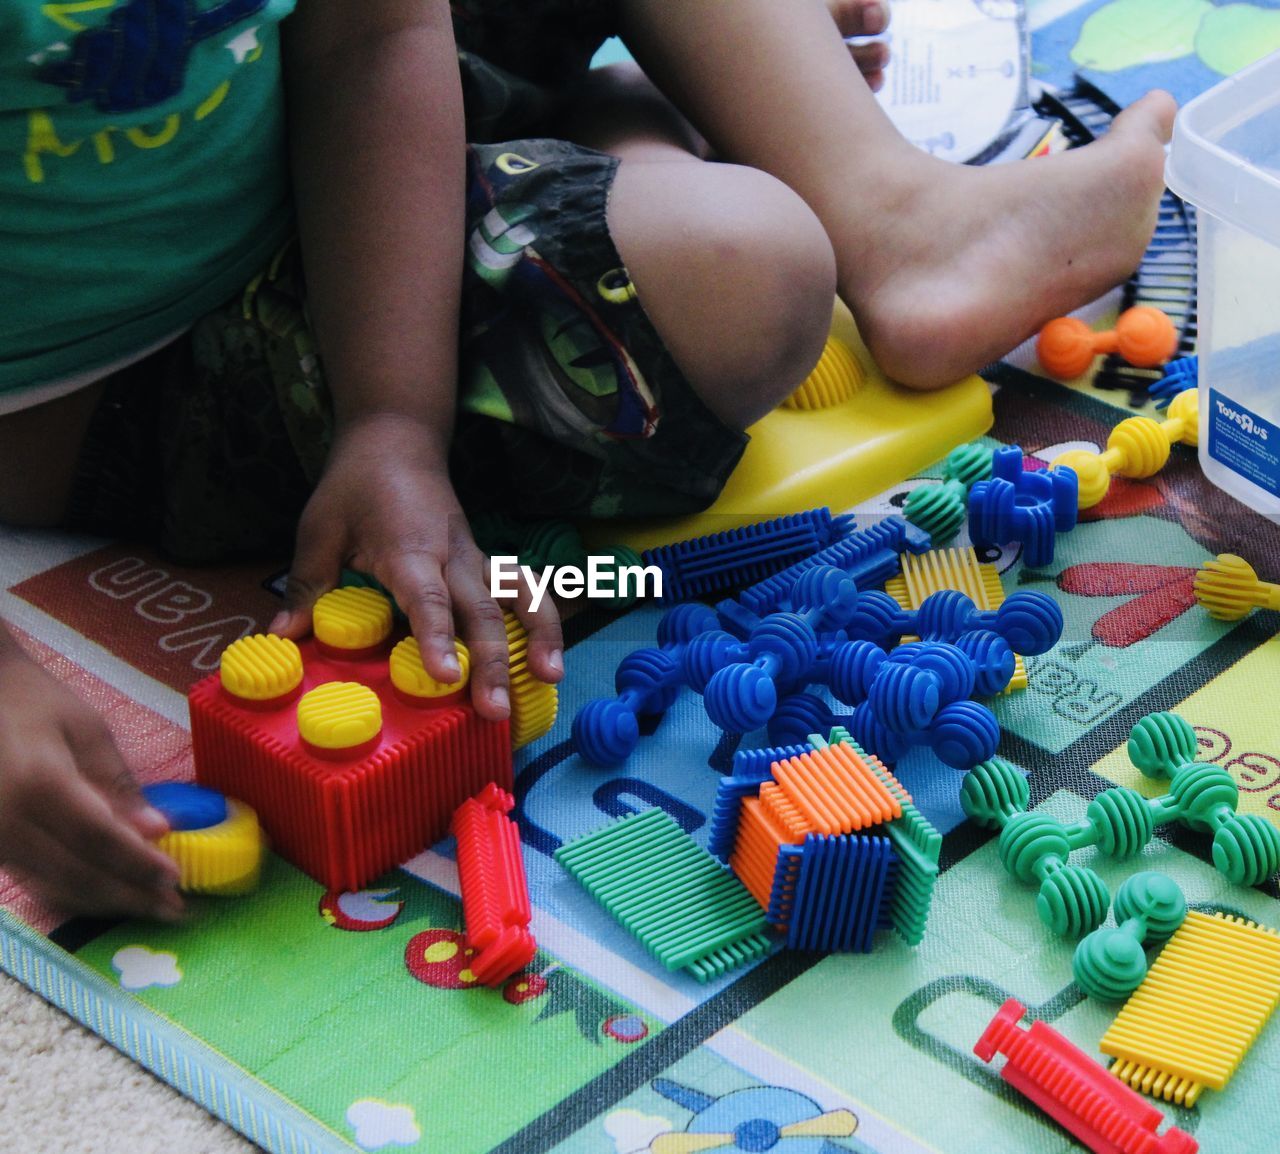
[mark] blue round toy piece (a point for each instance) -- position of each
(683, 622)
(649, 680)
(852, 669)
(963, 734)
(905, 697)
(740, 698)
(708, 653)
(992, 658)
(1030, 622)
(605, 731)
(1022, 505)
(878, 618)
(186, 806)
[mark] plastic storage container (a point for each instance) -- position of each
(1225, 160)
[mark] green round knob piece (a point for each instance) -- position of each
(1156, 900)
(1202, 793)
(1072, 901)
(1160, 743)
(1109, 964)
(992, 792)
(1246, 849)
(1026, 839)
(1122, 820)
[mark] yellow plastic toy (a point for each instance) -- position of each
(1137, 447)
(1201, 1006)
(215, 840)
(1229, 589)
(846, 434)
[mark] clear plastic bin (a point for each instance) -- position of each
(1225, 160)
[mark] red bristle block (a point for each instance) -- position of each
(344, 821)
(495, 896)
(1074, 1090)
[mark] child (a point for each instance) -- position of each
(624, 313)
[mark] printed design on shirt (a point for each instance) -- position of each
(138, 59)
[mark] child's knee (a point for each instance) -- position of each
(735, 271)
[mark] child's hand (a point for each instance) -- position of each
(73, 826)
(386, 506)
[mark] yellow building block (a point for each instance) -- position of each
(804, 457)
(926, 573)
(1199, 1009)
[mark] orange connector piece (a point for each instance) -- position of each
(1074, 1090)
(495, 896)
(1143, 336)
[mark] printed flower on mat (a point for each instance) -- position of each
(439, 958)
(633, 1131)
(378, 1124)
(360, 910)
(140, 968)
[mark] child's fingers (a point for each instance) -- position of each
(546, 641)
(99, 761)
(485, 631)
(81, 819)
(871, 60)
(860, 17)
(317, 562)
(59, 875)
(417, 583)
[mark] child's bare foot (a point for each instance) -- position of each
(864, 18)
(959, 265)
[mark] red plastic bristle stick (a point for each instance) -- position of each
(1074, 1090)
(495, 896)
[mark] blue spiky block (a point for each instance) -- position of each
(743, 555)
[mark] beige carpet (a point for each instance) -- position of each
(63, 1091)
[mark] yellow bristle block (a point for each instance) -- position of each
(1201, 1006)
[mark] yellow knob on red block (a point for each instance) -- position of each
(339, 715)
(410, 677)
(261, 667)
(351, 619)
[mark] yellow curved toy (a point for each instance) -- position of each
(1229, 589)
(862, 440)
(534, 704)
(1137, 447)
(223, 859)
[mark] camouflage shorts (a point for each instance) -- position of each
(569, 403)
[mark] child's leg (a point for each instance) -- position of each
(945, 267)
(39, 448)
(734, 270)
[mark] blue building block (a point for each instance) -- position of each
(830, 892)
(744, 555)
(1025, 506)
(1179, 375)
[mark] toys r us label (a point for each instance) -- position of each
(1244, 442)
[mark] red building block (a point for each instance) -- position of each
(1074, 1090)
(343, 816)
(495, 896)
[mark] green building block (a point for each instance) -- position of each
(685, 908)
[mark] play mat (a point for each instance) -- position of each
(325, 1021)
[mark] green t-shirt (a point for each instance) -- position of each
(143, 172)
